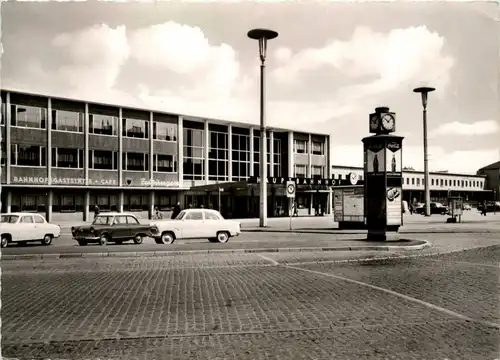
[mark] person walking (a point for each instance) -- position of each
(96, 211)
(176, 211)
(483, 210)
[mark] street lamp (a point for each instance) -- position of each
(262, 35)
(424, 91)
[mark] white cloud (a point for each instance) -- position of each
(91, 59)
(395, 59)
(467, 161)
(484, 127)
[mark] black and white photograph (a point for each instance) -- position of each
(249, 179)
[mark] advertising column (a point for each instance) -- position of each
(375, 204)
(393, 153)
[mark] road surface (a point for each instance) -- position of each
(253, 306)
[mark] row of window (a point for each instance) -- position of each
(446, 182)
(28, 155)
(62, 120)
(300, 147)
(72, 203)
(317, 172)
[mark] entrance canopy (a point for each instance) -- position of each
(353, 180)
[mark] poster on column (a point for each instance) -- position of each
(393, 157)
(394, 205)
(375, 160)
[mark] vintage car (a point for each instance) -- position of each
(24, 227)
(111, 227)
(436, 208)
(195, 224)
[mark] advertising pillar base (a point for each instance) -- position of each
(383, 235)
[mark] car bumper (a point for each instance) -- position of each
(86, 238)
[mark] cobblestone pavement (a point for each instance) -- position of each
(245, 306)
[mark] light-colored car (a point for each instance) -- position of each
(25, 227)
(467, 207)
(195, 224)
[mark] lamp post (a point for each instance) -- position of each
(423, 92)
(262, 35)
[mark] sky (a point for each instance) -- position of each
(331, 65)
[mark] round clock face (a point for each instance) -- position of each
(353, 178)
(388, 122)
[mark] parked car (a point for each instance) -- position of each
(436, 208)
(467, 207)
(111, 227)
(196, 224)
(24, 227)
(490, 206)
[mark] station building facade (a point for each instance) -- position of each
(443, 185)
(61, 157)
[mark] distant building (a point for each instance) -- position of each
(442, 184)
(492, 173)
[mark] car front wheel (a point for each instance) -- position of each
(4, 241)
(167, 238)
(47, 240)
(103, 240)
(223, 237)
(138, 239)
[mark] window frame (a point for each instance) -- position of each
(114, 160)
(125, 161)
(155, 131)
(42, 112)
(41, 156)
(114, 127)
(125, 131)
(55, 125)
(156, 160)
(80, 158)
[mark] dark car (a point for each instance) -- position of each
(436, 209)
(115, 227)
(490, 206)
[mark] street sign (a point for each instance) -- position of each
(290, 189)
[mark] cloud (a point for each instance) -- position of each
(485, 127)
(391, 60)
(459, 161)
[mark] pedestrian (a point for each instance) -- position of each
(411, 209)
(176, 211)
(158, 213)
(96, 211)
(483, 210)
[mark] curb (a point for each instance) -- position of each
(422, 245)
(364, 232)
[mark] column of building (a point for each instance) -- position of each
(180, 156)
(50, 193)
(229, 152)
(151, 202)
(251, 153)
(309, 171)
(329, 173)
(271, 153)
(121, 195)
(206, 141)
(86, 199)
(290, 162)
(8, 150)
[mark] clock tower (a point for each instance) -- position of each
(383, 177)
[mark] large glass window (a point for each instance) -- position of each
(103, 124)
(300, 171)
(3, 159)
(193, 154)
(28, 116)
(317, 148)
(277, 156)
(67, 120)
(135, 128)
(300, 146)
(218, 156)
(28, 155)
(67, 158)
(165, 131)
(4, 114)
(103, 160)
(317, 172)
(136, 161)
(240, 157)
(164, 163)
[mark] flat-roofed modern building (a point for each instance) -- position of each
(471, 188)
(61, 157)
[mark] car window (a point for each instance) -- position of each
(38, 219)
(209, 215)
(102, 220)
(9, 219)
(194, 215)
(132, 220)
(26, 219)
(181, 215)
(120, 220)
